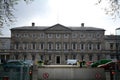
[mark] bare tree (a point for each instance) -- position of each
(7, 8)
(112, 8)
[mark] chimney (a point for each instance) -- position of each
(82, 24)
(33, 24)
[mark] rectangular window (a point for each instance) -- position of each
(50, 46)
(41, 46)
(90, 57)
(49, 57)
(66, 35)
(41, 35)
(82, 46)
(66, 46)
(58, 35)
(74, 35)
(33, 45)
(98, 46)
(74, 56)
(16, 45)
(58, 46)
(25, 46)
(74, 46)
(111, 45)
(41, 57)
(90, 46)
(66, 57)
(50, 35)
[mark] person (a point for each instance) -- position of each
(80, 64)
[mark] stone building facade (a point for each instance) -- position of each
(58, 43)
(4, 48)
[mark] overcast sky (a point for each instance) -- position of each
(65, 12)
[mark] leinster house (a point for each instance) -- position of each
(58, 43)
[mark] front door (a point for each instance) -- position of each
(57, 59)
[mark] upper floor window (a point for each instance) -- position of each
(33, 45)
(17, 35)
(41, 35)
(90, 46)
(25, 45)
(16, 45)
(82, 35)
(66, 35)
(90, 57)
(33, 35)
(98, 46)
(50, 35)
(74, 46)
(58, 35)
(74, 35)
(58, 46)
(41, 46)
(66, 46)
(111, 45)
(82, 46)
(50, 46)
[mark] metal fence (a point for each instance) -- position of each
(18, 73)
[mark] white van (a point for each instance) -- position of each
(72, 61)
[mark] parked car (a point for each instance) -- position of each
(29, 62)
(72, 62)
(110, 66)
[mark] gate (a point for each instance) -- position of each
(15, 73)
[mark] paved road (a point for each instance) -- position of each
(35, 71)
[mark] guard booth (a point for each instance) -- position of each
(21, 72)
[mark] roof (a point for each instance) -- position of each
(56, 25)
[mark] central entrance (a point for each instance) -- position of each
(57, 59)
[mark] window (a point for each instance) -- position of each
(90, 57)
(50, 35)
(50, 46)
(74, 46)
(66, 57)
(41, 35)
(66, 35)
(49, 57)
(74, 56)
(33, 35)
(58, 35)
(66, 46)
(111, 45)
(90, 46)
(16, 45)
(41, 57)
(25, 45)
(82, 46)
(98, 46)
(74, 35)
(98, 57)
(33, 46)
(41, 46)
(58, 46)
(17, 35)
(82, 57)
(82, 35)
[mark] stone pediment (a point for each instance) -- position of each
(58, 27)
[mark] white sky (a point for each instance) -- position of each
(65, 12)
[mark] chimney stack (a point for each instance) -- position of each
(82, 24)
(33, 24)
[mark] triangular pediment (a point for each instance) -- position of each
(58, 27)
